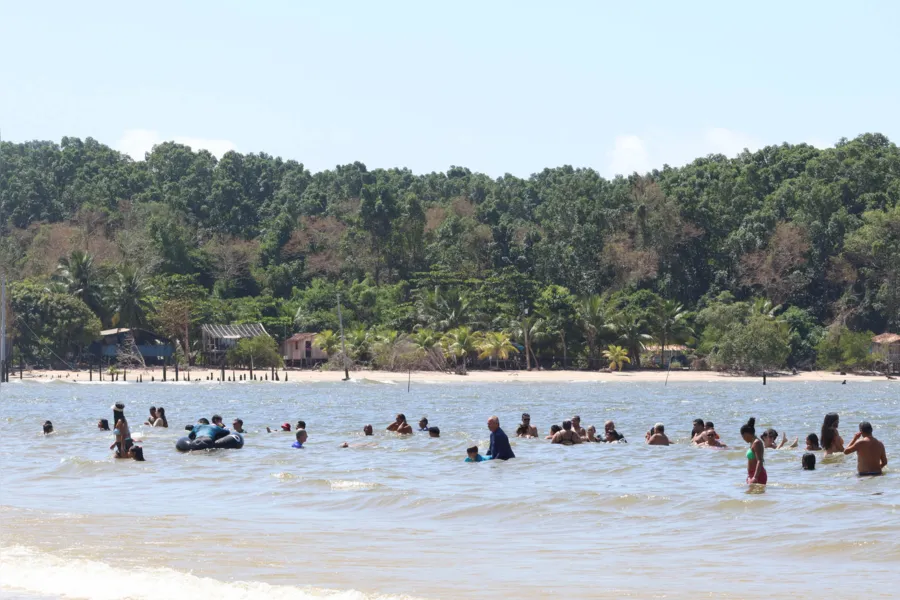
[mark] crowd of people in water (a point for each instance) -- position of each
(871, 454)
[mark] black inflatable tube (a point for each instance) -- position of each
(234, 441)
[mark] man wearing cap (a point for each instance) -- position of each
(499, 448)
(530, 430)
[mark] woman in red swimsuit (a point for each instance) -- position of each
(756, 471)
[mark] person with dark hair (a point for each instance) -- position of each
(568, 436)
(530, 431)
(591, 435)
(610, 435)
(301, 425)
(434, 432)
(577, 428)
(400, 425)
(554, 429)
(812, 443)
(238, 426)
(830, 439)
(710, 437)
(212, 431)
(161, 420)
(103, 425)
(137, 453)
(499, 448)
(368, 430)
(756, 471)
(473, 456)
(657, 436)
(809, 462)
(871, 457)
(217, 420)
(153, 416)
(48, 427)
(118, 412)
(423, 424)
(697, 430)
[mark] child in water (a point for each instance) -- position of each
(809, 462)
(812, 443)
(473, 455)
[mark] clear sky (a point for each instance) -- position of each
(499, 87)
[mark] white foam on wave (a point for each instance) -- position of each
(46, 574)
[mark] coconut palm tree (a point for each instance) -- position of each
(617, 356)
(129, 297)
(443, 310)
(529, 329)
(592, 321)
(670, 325)
(83, 279)
(460, 343)
(327, 341)
(386, 344)
(359, 344)
(631, 332)
(496, 345)
(425, 340)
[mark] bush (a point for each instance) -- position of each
(260, 352)
(842, 349)
(760, 344)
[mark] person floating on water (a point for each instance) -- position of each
(657, 436)
(830, 439)
(400, 425)
(473, 456)
(756, 470)
(812, 443)
(48, 427)
(871, 457)
(809, 462)
(499, 448)
(211, 432)
(302, 436)
(567, 436)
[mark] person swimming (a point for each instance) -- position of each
(238, 426)
(756, 470)
(302, 436)
(368, 430)
(812, 443)
(809, 462)
(434, 432)
(554, 429)
(423, 424)
(473, 456)
(47, 427)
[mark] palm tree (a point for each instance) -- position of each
(460, 343)
(387, 341)
(592, 320)
(496, 345)
(530, 330)
(671, 326)
(764, 307)
(129, 297)
(83, 279)
(327, 341)
(359, 343)
(617, 356)
(443, 310)
(631, 333)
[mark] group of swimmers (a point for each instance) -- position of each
(871, 454)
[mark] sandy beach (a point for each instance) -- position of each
(199, 374)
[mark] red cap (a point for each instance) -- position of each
(286, 427)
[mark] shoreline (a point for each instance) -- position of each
(199, 374)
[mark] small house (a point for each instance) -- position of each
(219, 339)
(153, 348)
(888, 345)
(300, 351)
(673, 352)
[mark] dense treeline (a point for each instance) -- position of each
(769, 259)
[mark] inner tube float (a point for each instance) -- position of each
(234, 441)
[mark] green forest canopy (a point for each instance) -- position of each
(182, 238)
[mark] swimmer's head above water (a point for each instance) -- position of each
(367, 430)
(48, 427)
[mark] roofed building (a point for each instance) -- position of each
(219, 339)
(888, 344)
(299, 350)
(153, 348)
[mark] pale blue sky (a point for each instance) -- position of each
(495, 86)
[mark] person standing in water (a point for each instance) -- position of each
(831, 440)
(756, 470)
(499, 448)
(400, 425)
(657, 436)
(871, 457)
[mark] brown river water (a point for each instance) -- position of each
(394, 517)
